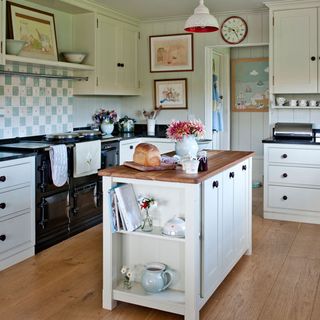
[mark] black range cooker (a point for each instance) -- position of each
(64, 211)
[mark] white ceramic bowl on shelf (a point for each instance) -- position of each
(175, 227)
(73, 57)
(14, 46)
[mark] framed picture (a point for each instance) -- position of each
(35, 27)
(171, 52)
(171, 94)
(250, 85)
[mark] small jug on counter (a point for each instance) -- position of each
(156, 277)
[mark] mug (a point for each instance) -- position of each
(293, 103)
(281, 101)
(302, 103)
(312, 103)
(191, 166)
(156, 277)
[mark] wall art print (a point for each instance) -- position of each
(250, 85)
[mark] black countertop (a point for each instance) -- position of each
(4, 156)
(291, 141)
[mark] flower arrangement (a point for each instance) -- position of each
(105, 115)
(128, 276)
(145, 204)
(178, 129)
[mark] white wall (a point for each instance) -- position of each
(258, 33)
(249, 128)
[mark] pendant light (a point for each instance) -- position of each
(201, 20)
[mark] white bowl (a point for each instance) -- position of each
(14, 46)
(73, 57)
(175, 227)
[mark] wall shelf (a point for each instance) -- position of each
(296, 108)
(48, 63)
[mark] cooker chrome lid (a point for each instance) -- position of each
(62, 136)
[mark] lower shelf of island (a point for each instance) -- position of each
(168, 300)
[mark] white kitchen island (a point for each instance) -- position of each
(216, 206)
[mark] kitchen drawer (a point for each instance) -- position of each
(294, 175)
(14, 200)
(16, 232)
(15, 174)
(303, 199)
(294, 156)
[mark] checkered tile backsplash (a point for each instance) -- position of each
(33, 106)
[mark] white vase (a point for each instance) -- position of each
(188, 146)
(107, 127)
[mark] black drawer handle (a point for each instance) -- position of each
(3, 237)
(284, 175)
(215, 184)
(2, 205)
(284, 156)
(313, 58)
(284, 197)
(118, 64)
(131, 147)
(3, 178)
(231, 175)
(244, 167)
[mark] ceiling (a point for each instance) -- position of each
(148, 9)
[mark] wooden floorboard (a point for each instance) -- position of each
(280, 281)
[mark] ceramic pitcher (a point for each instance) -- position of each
(156, 278)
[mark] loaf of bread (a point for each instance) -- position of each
(147, 155)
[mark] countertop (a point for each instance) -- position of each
(218, 161)
(291, 141)
(4, 156)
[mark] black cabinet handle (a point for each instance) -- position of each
(118, 64)
(284, 197)
(313, 58)
(131, 147)
(231, 175)
(122, 65)
(2, 205)
(215, 184)
(244, 167)
(284, 175)
(284, 156)
(3, 237)
(3, 178)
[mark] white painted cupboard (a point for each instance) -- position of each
(292, 182)
(17, 210)
(114, 52)
(217, 212)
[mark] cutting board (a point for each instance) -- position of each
(163, 166)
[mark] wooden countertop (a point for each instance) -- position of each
(218, 161)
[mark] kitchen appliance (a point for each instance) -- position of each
(284, 130)
(77, 205)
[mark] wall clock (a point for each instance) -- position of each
(234, 30)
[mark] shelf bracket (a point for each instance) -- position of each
(41, 75)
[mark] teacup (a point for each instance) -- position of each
(293, 103)
(312, 103)
(281, 101)
(302, 103)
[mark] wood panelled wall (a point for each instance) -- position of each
(249, 128)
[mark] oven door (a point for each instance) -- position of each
(86, 206)
(109, 154)
(52, 220)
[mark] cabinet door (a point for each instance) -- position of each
(163, 146)
(106, 46)
(128, 54)
(295, 51)
(127, 151)
(2, 31)
(211, 235)
(228, 236)
(241, 207)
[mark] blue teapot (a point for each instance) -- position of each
(156, 278)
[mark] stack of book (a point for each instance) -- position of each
(125, 210)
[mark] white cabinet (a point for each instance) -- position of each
(292, 182)
(114, 52)
(17, 218)
(226, 223)
(2, 31)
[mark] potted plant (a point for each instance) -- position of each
(105, 119)
(184, 133)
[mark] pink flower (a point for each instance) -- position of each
(178, 129)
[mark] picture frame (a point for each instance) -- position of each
(34, 26)
(250, 85)
(171, 94)
(171, 53)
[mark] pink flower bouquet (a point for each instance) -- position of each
(178, 129)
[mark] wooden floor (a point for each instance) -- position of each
(279, 281)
